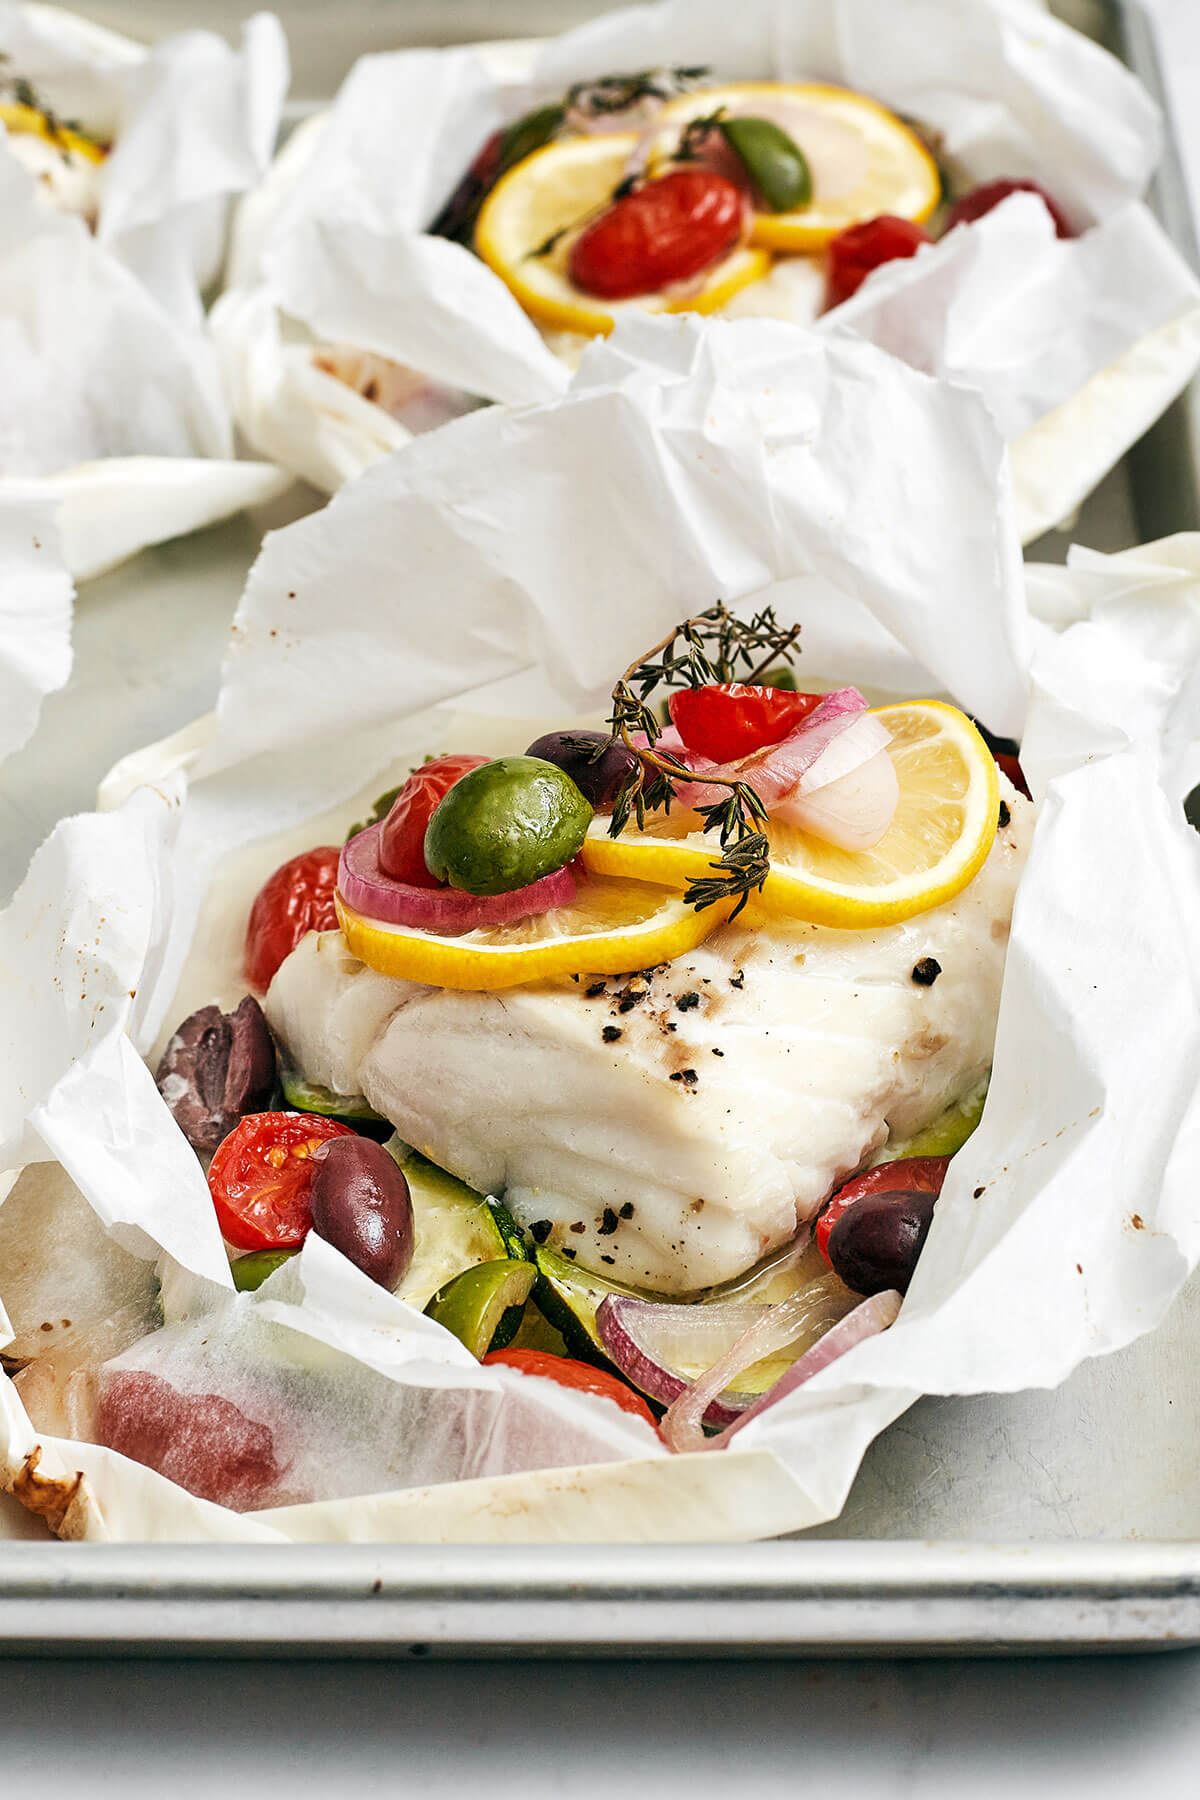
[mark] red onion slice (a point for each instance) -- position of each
(649, 1339)
(681, 1428)
(447, 912)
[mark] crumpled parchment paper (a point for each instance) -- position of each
(36, 593)
(516, 561)
(192, 122)
(115, 411)
(1080, 345)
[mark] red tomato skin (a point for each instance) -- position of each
(402, 840)
(569, 1373)
(203, 1442)
(985, 198)
(262, 1204)
(730, 720)
(296, 899)
(668, 230)
(911, 1174)
(853, 253)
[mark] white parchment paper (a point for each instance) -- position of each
(1079, 344)
(514, 561)
(192, 122)
(36, 594)
(115, 410)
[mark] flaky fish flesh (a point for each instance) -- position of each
(671, 1128)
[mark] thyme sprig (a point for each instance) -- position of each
(716, 646)
(615, 93)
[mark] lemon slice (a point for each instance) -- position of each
(937, 841)
(863, 160)
(27, 119)
(560, 189)
(613, 928)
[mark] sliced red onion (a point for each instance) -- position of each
(777, 1327)
(852, 810)
(448, 912)
(649, 1339)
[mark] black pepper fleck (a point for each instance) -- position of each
(688, 1002)
(578, 1226)
(1005, 815)
(608, 1223)
(596, 989)
(926, 972)
(688, 1077)
(611, 1033)
(627, 1210)
(540, 1230)
(568, 1252)
(979, 1193)
(717, 1052)
(738, 980)
(610, 1260)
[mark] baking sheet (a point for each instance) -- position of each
(1036, 1466)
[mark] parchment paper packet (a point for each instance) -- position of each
(114, 410)
(687, 462)
(1078, 344)
(35, 613)
(192, 123)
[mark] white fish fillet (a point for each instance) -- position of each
(748, 1079)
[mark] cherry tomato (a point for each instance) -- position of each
(261, 1175)
(668, 230)
(911, 1174)
(572, 1374)
(296, 899)
(853, 253)
(201, 1441)
(402, 840)
(984, 199)
(730, 721)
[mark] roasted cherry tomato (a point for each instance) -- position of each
(296, 899)
(728, 722)
(1006, 754)
(984, 199)
(402, 840)
(572, 1374)
(261, 1175)
(668, 230)
(911, 1174)
(201, 1441)
(853, 253)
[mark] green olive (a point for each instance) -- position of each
(777, 166)
(505, 825)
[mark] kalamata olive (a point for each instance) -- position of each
(217, 1068)
(875, 1243)
(505, 825)
(598, 778)
(360, 1204)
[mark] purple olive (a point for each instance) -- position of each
(598, 777)
(217, 1068)
(360, 1204)
(876, 1242)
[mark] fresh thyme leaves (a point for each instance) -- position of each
(714, 647)
(615, 93)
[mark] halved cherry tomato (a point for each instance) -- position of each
(203, 1442)
(261, 1175)
(730, 721)
(296, 899)
(402, 840)
(578, 1375)
(668, 230)
(853, 253)
(909, 1175)
(985, 198)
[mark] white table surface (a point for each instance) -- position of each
(896, 1730)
